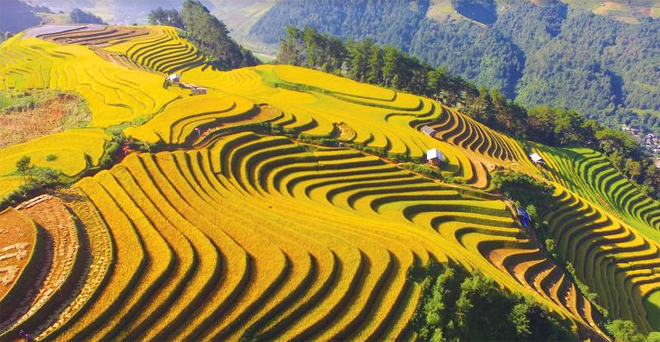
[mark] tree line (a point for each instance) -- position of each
(366, 61)
(550, 53)
(207, 32)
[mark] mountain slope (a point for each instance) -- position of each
(279, 204)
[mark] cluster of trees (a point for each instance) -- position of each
(623, 330)
(79, 16)
(366, 61)
(208, 33)
(470, 307)
(536, 54)
(524, 190)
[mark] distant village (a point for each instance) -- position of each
(650, 140)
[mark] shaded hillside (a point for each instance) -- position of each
(483, 11)
(550, 54)
(16, 16)
(387, 21)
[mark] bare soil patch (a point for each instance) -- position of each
(25, 116)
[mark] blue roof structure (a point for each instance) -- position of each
(525, 219)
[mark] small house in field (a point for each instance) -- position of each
(537, 159)
(434, 156)
(199, 90)
(173, 78)
(428, 131)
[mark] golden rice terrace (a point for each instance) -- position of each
(238, 223)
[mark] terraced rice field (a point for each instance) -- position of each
(623, 224)
(18, 256)
(162, 50)
(340, 272)
(230, 230)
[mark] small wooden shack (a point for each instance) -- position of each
(198, 90)
(428, 131)
(434, 156)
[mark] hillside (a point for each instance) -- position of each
(286, 203)
(17, 16)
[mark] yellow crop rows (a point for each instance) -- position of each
(235, 230)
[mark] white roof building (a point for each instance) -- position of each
(174, 78)
(434, 155)
(536, 158)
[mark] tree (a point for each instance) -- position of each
(633, 169)
(624, 331)
(375, 75)
(290, 45)
(391, 66)
(653, 337)
(24, 168)
(359, 58)
(310, 40)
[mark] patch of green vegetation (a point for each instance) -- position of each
(523, 189)
(652, 306)
(37, 180)
(623, 330)
(458, 306)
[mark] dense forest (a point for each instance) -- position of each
(550, 54)
(207, 32)
(366, 61)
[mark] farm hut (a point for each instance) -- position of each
(428, 131)
(199, 90)
(434, 156)
(536, 159)
(174, 78)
